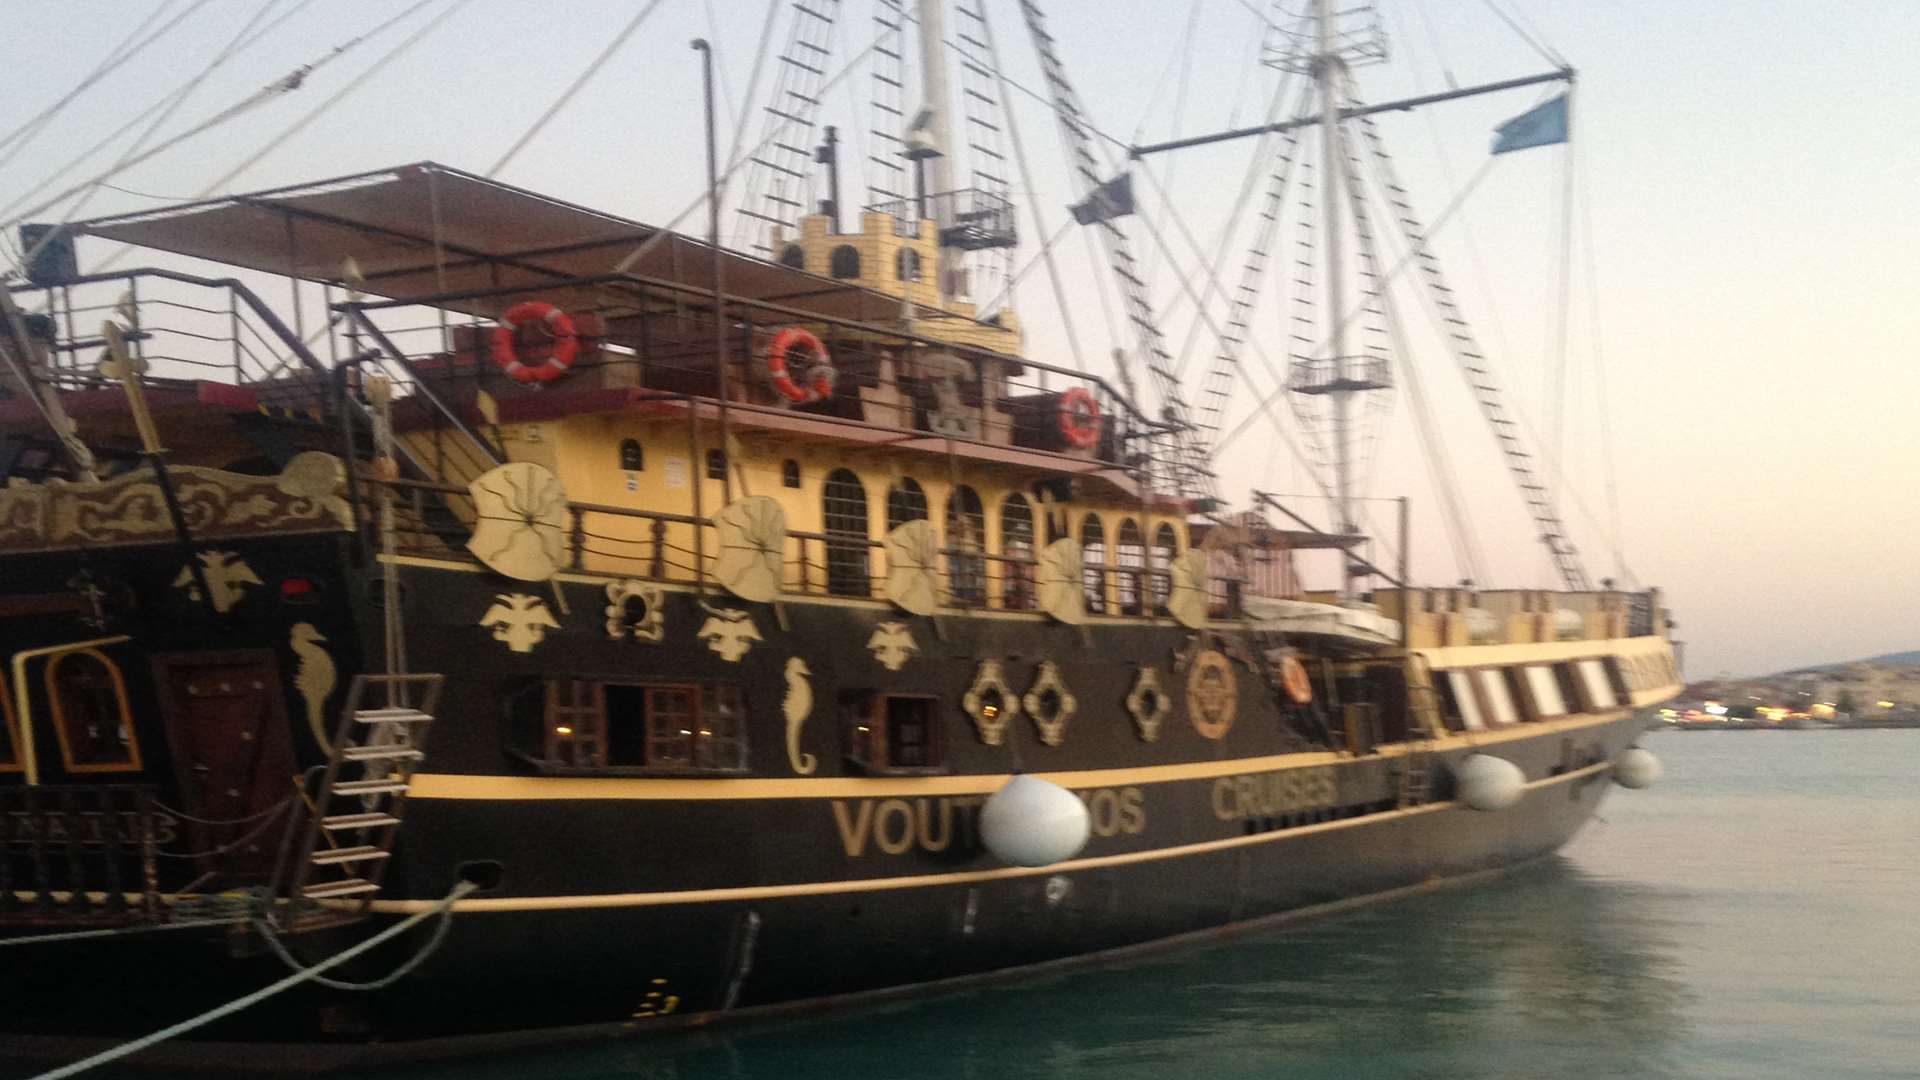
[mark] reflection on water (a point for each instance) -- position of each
(1549, 960)
(1748, 918)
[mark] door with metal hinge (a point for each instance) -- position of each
(226, 726)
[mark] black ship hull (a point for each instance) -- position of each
(519, 971)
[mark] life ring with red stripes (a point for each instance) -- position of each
(816, 379)
(1293, 679)
(543, 363)
(1079, 417)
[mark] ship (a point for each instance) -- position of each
(462, 618)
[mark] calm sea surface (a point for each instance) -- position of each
(1757, 914)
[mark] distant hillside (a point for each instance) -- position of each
(1893, 659)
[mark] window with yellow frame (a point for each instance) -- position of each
(88, 699)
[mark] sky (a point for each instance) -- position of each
(1744, 246)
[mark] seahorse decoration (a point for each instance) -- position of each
(315, 680)
(797, 706)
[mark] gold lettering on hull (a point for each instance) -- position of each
(1271, 794)
(951, 823)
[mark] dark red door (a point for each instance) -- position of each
(232, 754)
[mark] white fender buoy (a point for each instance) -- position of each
(1031, 822)
(1636, 768)
(1485, 782)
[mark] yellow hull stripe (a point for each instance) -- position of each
(917, 881)
(532, 788)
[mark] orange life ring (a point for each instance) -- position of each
(818, 376)
(555, 359)
(1079, 417)
(1293, 679)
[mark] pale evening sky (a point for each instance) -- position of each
(1746, 169)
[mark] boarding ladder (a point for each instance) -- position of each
(342, 854)
(1423, 723)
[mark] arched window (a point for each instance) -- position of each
(791, 255)
(844, 262)
(905, 502)
(716, 465)
(631, 457)
(1093, 552)
(1130, 560)
(906, 265)
(790, 473)
(844, 511)
(967, 539)
(89, 704)
(1166, 545)
(1016, 548)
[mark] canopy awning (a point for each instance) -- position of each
(425, 230)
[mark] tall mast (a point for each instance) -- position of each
(933, 85)
(1327, 65)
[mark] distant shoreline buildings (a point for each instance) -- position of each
(1878, 693)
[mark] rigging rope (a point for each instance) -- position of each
(293, 82)
(305, 974)
(1033, 198)
(1600, 396)
(53, 177)
(573, 88)
(1262, 149)
(120, 931)
(119, 55)
(1185, 57)
(286, 84)
(1405, 261)
(640, 251)
(1551, 55)
(1200, 312)
(1563, 301)
(239, 41)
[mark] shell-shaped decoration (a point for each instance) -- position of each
(1187, 598)
(753, 536)
(636, 609)
(913, 562)
(1057, 582)
(520, 521)
(1050, 704)
(991, 703)
(1148, 703)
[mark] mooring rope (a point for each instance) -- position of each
(304, 974)
(119, 931)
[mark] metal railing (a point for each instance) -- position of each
(81, 854)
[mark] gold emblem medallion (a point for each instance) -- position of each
(1212, 694)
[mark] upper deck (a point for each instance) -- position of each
(668, 413)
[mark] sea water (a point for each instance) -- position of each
(1755, 914)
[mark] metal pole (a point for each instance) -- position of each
(1402, 105)
(1326, 67)
(933, 87)
(719, 280)
(828, 154)
(1406, 566)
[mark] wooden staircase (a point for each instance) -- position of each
(342, 853)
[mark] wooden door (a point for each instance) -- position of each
(232, 754)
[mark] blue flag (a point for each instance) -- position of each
(1542, 125)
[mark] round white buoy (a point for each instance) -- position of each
(1031, 822)
(1636, 768)
(1485, 782)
